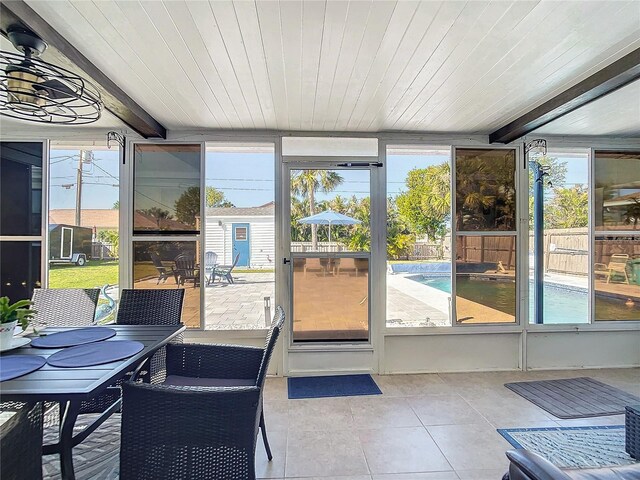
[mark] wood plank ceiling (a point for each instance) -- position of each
(345, 65)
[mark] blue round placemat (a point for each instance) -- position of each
(94, 354)
(14, 366)
(71, 338)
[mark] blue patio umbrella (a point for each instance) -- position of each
(329, 217)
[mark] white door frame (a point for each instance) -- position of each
(323, 358)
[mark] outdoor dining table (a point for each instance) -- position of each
(70, 386)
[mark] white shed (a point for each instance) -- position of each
(248, 231)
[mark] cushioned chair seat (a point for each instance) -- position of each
(182, 381)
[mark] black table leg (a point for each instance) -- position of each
(66, 439)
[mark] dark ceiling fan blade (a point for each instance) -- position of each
(55, 89)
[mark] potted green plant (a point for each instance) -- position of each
(10, 316)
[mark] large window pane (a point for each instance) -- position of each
(617, 278)
(617, 190)
(565, 238)
(19, 269)
(418, 236)
(239, 223)
(158, 265)
(166, 189)
(485, 279)
(330, 299)
(84, 217)
(485, 190)
(20, 188)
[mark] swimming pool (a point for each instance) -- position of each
(561, 304)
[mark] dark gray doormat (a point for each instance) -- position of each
(575, 397)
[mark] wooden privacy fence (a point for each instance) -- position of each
(487, 249)
(566, 250)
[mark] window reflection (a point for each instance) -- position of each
(21, 188)
(486, 279)
(485, 190)
(330, 299)
(160, 265)
(617, 190)
(19, 269)
(166, 189)
(617, 278)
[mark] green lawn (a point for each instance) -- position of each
(95, 273)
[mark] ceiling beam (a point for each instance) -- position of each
(60, 52)
(610, 78)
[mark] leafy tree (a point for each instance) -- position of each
(110, 236)
(556, 174)
(399, 238)
(215, 198)
(300, 232)
(568, 209)
(116, 205)
(188, 206)
(307, 183)
(485, 192)
(359, 234)
(425, 206)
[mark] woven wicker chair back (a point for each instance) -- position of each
(65, 307)
(269, 345)
(150, 307)
(188, 433)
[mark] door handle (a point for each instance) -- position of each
(286, 260)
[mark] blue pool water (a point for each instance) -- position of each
(561, 305)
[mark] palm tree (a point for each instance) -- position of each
(306, 183)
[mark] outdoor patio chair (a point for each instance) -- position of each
(186, 270)
(224, 271)
(210, 264)
(163, 274)
(179, 433)
(315, 265)
(143, 307)
(225, 365)
(617, 267)
(21, 441)
(65, 307)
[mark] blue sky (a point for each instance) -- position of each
(246, 179)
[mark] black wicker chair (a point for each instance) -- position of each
(152, 307)
(65, 307)
(200, 433)
(225, 365)
(142, 307)
(21, 442)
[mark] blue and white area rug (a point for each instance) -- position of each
(573, 447)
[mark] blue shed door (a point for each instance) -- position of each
(241, 240)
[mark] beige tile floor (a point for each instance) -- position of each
(423, 427)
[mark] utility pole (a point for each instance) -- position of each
(79, 187)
